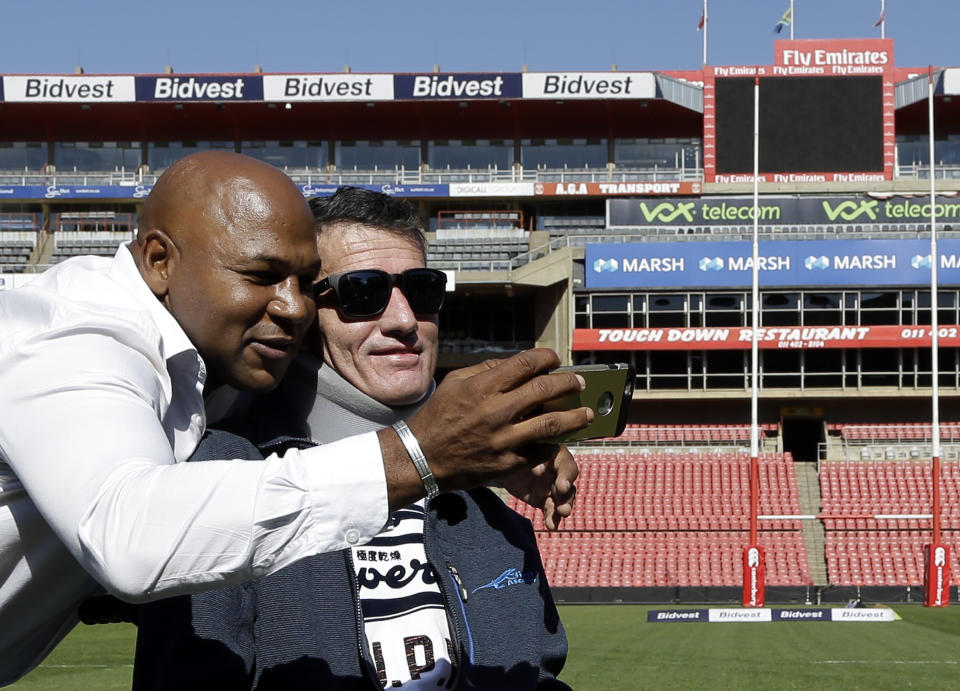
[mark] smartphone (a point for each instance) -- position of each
(609, 391)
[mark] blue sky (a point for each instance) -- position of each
(109, 36)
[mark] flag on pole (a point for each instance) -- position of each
(703, 20)
(880, 21)
(784, 21)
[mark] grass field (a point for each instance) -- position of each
(613, 647)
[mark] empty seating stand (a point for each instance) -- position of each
(698, 435)
(567, 225)
(864, 550)
(14, 253)
(654, 519)
(64, 248)
(489, 253)
(18, 237)
(895, 431)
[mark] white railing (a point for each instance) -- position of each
(19, 236)
(101, 236)
(918, 171)
(394, 176)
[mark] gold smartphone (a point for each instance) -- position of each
(609, 391)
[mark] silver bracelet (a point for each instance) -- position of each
(412, 446)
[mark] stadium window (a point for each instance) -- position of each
(666, 311)
(557, 154)
(724, 310)
(610, 303)
(780, 309)
(851, 369)
(466, 154)
(907, 307)
(668, 369)
(726, 369)
(96, 156)
(697, 372)
(822, 309)
(22, 156)
(947, 303)
(161, 155)
(908, 367)
(879, 308)
(879, 367)
(288, 155)
(780, 368)
(377, 155)
(656, 153)
(822, 368)
(948, 367)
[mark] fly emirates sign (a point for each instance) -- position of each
(833, 57)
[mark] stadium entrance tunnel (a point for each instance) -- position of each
(802, 436)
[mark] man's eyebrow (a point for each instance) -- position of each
(278, 263)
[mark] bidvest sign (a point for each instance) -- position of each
(460, 86)
(789, 263)
(69, 89)
(184, 87)
(589, 85)
(328, 87)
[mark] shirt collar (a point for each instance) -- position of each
(174, 340)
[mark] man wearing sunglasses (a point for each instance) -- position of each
(452, 594)
(107, 366)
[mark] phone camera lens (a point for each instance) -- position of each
(605, 404)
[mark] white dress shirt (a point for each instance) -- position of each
(100, 402)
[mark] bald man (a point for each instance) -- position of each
(105, 365)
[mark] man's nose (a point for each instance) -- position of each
(398, 316)
(290, 302)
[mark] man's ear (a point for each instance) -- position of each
(158, 257)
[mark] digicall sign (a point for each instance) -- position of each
(781, 263)
(699, 211)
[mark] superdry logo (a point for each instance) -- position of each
(508, 578)
(602, 265)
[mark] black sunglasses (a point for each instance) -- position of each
(366, 292)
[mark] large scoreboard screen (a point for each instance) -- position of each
(826, 114)
(806, 124)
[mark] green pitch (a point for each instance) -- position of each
(612, 647)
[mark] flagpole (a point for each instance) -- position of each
(937, 566)
(934, 325)
(754, 586)
(793, 19)
(883, 18)
(706, 24)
